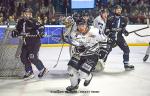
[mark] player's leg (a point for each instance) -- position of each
(34, 58)
(110, 44)
(103, 52)
(74, 79)
(147, 53)
(28, 68)
(73, 67)
(86, 68)
(124, 47)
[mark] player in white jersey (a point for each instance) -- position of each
(100, 23)
(147, 53)
(86, 41)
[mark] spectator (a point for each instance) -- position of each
(39, 19)
(11, 20)
(136, 10)
(1, 19)
(45, 20)
(54, 21)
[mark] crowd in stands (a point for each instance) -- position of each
(50, 11)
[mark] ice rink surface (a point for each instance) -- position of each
(113, 81)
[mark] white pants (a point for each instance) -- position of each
(75, 75)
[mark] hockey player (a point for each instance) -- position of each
(31, 32)
(100, 23)
(147, 53)
(115, 27)
(85, 58)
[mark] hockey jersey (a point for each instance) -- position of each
(91, 40)
(100, 24)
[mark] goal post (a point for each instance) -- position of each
(10, 65)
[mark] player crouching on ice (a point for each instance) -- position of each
(86, 41)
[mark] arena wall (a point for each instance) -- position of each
(53, 33)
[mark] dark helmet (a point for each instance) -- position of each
(27, 10)
(117, 7)
(81, 21)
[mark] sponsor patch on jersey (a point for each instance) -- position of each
(86, 67)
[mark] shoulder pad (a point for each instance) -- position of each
(94, 30)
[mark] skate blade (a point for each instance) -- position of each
(45, 73)
(29, 78)
(129, 69)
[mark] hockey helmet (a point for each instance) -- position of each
(81, 21)
(82, 26)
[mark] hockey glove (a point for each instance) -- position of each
(80, 49)
(107, 32)
(14, 33)
(125, 32)
(112, 43)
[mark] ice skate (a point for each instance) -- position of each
(129, 67)
(87, 82)
(72, 88)
(28, 76)
(145, 58)
(42, 73)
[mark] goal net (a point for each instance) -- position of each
(10, 65)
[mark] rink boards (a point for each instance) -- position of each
(53, 35)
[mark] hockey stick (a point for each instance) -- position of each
(138, 30)
(63, 39)
(59, 55)
(141, 35)
(27, 35)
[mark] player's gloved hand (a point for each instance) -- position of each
(14, 33)
(80, 49)
(126, 33)
(107, 32)
(112, 35)
(112, 43)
